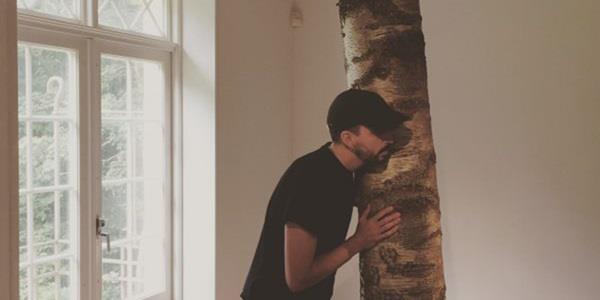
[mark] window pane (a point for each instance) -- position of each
(24, 285)
(23, 146)
(43, 224)
(133, 198)
(52, 280)
(146, 91)
(51, 88)
(65, 153)
(114, 210)
(23, 249)
(42, 153)
(48, 150)
(65, 228)
(22, 90)
(142, 16)
(146, 135)
(114, 150)
(114, 86)
(61, 8)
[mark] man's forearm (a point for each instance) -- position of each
(326, 263)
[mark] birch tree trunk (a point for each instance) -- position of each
(385, 53)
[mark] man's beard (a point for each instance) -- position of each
(364, 155)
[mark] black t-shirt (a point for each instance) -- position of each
(317, 193)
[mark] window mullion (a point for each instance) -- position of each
(130, 172)
(56, 203)
(29, 180)
(30, 272)
(92, 13)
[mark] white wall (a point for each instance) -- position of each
(253, 128)
(516, 122)
(318, 73)
(198, 151)
(515, 109)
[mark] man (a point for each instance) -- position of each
(302, 243)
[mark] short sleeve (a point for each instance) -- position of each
(304, 204)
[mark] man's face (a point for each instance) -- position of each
(370, 147)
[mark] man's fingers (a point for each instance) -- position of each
(389, 225)
(389, 218)
(366, 212)
(383, 212)
(389, 232)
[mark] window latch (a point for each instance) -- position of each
(100, 223)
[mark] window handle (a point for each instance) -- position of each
(100, 223)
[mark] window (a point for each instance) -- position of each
(95, 179)
(132, 177)
(144, 16)
(47, 167)
(67, 9)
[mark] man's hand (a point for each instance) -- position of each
(303, 269)
(382, 225)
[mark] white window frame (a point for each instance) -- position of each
(117, 48)
(89, 41)
(82, 172)
(89, 19)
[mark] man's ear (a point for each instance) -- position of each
(347, 137)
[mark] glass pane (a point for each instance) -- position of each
(23, 251)
(22, 91)
(52, 280)
(48, 150)
(65, 230)
(133, 199)
(43, 224)
(114, 210)
(51, 88)
(147, 90)
(42, 153)
(65, 141)
(147, 157)
(24, 285)
(61, 8)
(142, 16)
(148, 206)
(114, 86)
(114, 150)
(23, 147)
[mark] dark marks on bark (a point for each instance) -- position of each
(395, 266)
(418, 239)
(384, 11)
(402, 136)
(411, 104)
(420, 293)
(365, 56)
(406, 47)
(432, 157)
(402, 185)
(372, 275)
(417, 204)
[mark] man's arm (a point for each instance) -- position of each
(303, 269)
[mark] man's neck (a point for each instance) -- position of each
(348, 159)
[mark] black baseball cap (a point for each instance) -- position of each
(360, 107)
